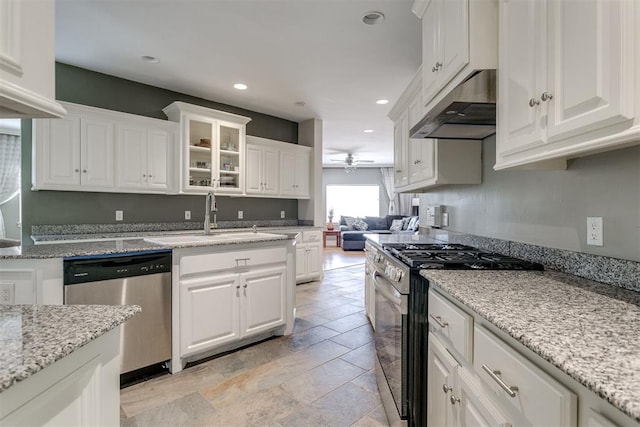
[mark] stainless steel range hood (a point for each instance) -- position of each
(468, 112)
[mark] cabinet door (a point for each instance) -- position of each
(254, 181)
(430, 51)
(476, 407)
(209, 312)
(287, 173)
(421, 164)
(522, 67)
(400, 151)
(270, 170)
(441, 368)
(263, 291)
(96, 153)
(132, 157)
(590, 75)
(454, 38)
(301, 262)
(159, 144)
(57, 144)
(302, 170)
(199, 167)
(314, 261)
(229, 160)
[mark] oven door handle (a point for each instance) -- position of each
(387, 290)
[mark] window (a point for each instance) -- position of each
(353, 200)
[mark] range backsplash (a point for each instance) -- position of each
(612, 271)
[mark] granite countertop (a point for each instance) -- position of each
(134, 242)
(586, 329)
(34, 337)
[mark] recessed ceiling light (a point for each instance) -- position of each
(240, 86)
(368, 130)
(373, 18)
(149, 59)
(382, 101)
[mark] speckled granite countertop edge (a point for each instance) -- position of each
(565, 357)
(35, 337)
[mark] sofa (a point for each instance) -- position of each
(352, 229)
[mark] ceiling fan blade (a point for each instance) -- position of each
(365, 161)
(337, 160)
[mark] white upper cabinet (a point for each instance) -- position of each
(420, 164)
(213, 148)
(262, 170)
(143, 158)
(92, 149)
(567, 79)
(27, 59)
(458, 37)
(295, 170)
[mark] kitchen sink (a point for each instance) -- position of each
(211, 238)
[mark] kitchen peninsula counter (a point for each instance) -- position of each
(33, 337)
(586, 329)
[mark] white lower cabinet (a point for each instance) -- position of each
(477, 379)
(223, 299)
(81, 389)
(308, 256)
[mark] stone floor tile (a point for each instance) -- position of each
(363, 357)
(356, 337)
(367, 381)
(185, 411)
(346, 405)
(303, 323)
(308, 337)
(338, 312)
(319, 381)
(347, 323)
(375, 418)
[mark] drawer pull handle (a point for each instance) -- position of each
(446, 388)
(439, 321)
(495, 375)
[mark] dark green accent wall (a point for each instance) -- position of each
(86, 87)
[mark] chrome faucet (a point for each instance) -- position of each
(210, 206)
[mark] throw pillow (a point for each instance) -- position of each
(405, 222)
(414, 223)
(396, 225)
(377, 222)
(344, 220)
(360, 225)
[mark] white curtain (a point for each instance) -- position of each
(9, 167)
(387, 181)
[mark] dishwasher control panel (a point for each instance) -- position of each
(105, 267)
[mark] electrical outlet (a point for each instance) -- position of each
(281, 214)
(594, 231)
(187, 214)
(240, 214)
(119, 215)
(7, 293)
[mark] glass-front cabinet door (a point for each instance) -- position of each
(213, 148)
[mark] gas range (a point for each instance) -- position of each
(454, 257)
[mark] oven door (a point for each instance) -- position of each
(391, 341)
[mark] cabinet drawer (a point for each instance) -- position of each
(192, 264)
(311, 236)
(540, 399)
(451, 323)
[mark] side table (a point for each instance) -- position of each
(335, 233)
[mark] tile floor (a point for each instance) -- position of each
(321, 375)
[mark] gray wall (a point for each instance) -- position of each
(361, 176)
(100, 90)
(550, 208)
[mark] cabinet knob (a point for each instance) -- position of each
(438, 65)
(84, 171)
(533, 102)
(434, 69)
(454, 399)
(144, 175)
(77, 170)
(546, 96)
(245, 286)
(446, 388)
(150, 176)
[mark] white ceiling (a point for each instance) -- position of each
(315, 51)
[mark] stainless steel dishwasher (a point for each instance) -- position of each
(141, 278)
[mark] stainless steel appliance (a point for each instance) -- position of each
(143, 279)
(401, 309)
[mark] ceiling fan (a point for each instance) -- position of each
(350, 162)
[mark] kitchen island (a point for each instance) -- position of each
(59, 365)
(583, 333)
